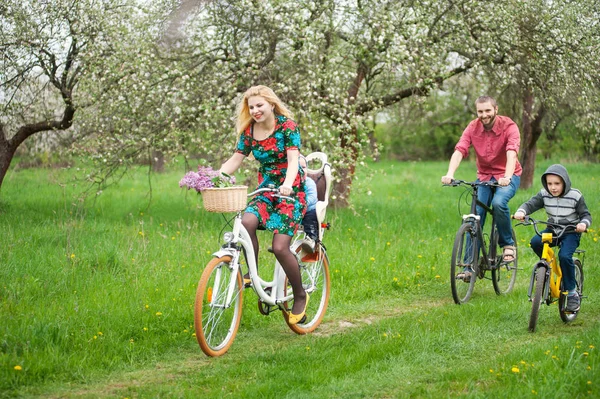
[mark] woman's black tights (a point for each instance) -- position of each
(281, 249)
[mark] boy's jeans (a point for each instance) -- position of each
(311, 224)
(568, 244)
(499, 202)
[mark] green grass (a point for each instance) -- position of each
(96, 299)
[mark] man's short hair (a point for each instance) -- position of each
(486, 99)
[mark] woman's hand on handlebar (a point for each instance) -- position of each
(286, 190)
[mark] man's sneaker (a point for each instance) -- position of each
(573, 303)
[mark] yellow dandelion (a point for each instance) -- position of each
(589, 367)
(554, 357)
(141, 233)
(72, 256)
(515, 369)
(100, 333)
(419, 256)
(547, 352)
(95, 337)
(491, 370)
(147, 306)
(141, 213)
(308, 348)
(372, 258)
(185, 331)
(159, 313)
(385, 335)
(18, 368)
(172, 238)
(388, 243)
(591, 346)
(395, 278)
(131, 341)
(438, 276)
(194, 335)
(585, 353)
(589, 382)
(533, 391)
(522, 362)
(145, 328)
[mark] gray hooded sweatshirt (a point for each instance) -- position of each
(567, 208)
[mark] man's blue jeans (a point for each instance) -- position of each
(568, 244)
(498, 198)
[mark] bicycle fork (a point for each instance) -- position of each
(234, 267)
(546, 266)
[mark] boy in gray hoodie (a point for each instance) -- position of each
(564, 205)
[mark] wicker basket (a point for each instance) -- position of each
(226, 199)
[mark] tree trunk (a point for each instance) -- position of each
(531, 132)
(158, 161)
(341, 190)
(7, 151)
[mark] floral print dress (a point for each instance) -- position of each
(279, 215)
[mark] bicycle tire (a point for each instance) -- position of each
(568, 317)
(536, 302)
(216, 324)
(318, 272)
(461, 290)
(504, 274)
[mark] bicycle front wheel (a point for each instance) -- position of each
(565, 316)
(504, 274)
(314, 269)
(216, 320)
(536, 301)
(463, 267)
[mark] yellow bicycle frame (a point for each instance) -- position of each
(556, 272)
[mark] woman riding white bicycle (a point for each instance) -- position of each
(267, 130)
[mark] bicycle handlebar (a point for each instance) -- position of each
(456, 183)
(561, 229)
(270, 189)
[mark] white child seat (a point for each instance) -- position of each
(319, 170)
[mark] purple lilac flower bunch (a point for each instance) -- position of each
(205, 178)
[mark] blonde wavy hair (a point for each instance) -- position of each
(243, 113)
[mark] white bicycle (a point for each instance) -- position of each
(219, 297)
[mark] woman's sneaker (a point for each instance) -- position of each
(573, 303)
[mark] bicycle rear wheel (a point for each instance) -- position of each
(565, 316)
(216, 322)
(536, 302)
(316, 281)
(504, 274)
(465, 255)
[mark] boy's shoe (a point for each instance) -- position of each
(573, 303)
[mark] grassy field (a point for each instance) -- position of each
(96, 299)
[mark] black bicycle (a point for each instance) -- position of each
(476, 251)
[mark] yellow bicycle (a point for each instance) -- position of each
(546, 278)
